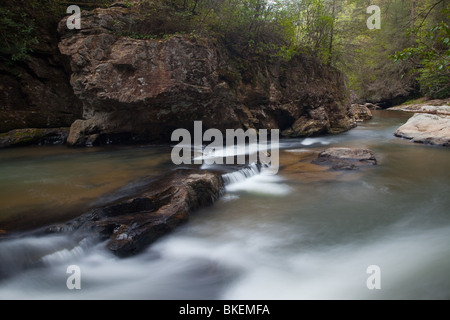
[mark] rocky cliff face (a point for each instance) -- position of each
(141, 90)
(36, 93)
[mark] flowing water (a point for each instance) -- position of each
(307, 233)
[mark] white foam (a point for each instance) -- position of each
(311, 141)
(237, 150)
(261, 184)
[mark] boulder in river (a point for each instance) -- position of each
(154, 209)
(346, 158)
(427, 128)
(361, 112)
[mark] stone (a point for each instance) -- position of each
(427, 128)
(132, 222)
(136, 90)
(439, 110)
(346, 158)
(361, 112)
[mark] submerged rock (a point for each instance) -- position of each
(135, 221)
(427, 129)
(25, 137)
(346, 158)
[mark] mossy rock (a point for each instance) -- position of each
(32, 136)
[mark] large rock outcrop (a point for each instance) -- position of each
(158, 205)
(141, 90)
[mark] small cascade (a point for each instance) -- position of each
(242, 175)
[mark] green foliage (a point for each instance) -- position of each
(366, 56)
(23, 24)
(272, 30)
(156, 19)
(249, 28)
(431, 56)
(314, 20)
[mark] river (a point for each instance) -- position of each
(306, 233)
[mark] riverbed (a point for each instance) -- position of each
(307, 233)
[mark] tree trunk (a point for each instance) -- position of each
(330, 49)
(413, 21)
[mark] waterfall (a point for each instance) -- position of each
(242, 175)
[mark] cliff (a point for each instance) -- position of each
(137, 90)
(35, 91)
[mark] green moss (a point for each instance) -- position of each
(25, 136)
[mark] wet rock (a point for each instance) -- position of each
(132, 223)
(346, 158)
(439, 110)
(427, 129)
(25, 137)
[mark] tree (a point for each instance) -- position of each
(430, 51)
